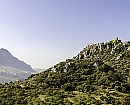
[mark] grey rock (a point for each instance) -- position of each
(96, 65)
(85, 54)
(67, 67)
(128, 48)
(116, 41)
(101, 46)
(54, 69)
(119, 56)
(112, 51)
(81, 56)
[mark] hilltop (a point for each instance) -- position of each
(99, 74)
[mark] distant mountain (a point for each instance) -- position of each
(7, 59)
(12, 69)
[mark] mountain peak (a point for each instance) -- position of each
(7, 59)
(4, 51)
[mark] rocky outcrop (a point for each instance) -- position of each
(128, 48)
(67, 67)
(112, 51)
(110, 47)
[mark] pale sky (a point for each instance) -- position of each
(45, 32)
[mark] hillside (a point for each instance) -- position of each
(12, 69)
(98, 75)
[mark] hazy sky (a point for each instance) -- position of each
(44, 32)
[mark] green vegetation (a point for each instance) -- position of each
(98, 75)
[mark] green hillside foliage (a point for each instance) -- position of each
(98, 75)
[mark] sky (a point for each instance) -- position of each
(45, 32)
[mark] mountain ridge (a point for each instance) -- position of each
(7, 59)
